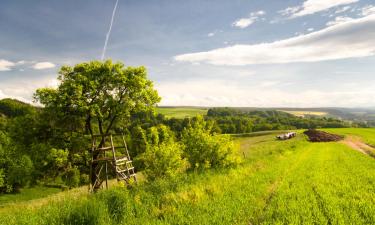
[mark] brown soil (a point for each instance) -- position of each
(358, 145)
(321, 136)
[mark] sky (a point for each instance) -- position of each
(247, 53)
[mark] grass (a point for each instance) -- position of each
(365, 134)
(27, 194)
(279, 182)
(181, 112)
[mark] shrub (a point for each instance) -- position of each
(20, 173)
(164, 160)
(72, 177)
(163, 156)
(204, 149)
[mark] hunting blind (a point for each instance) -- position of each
(110, 158)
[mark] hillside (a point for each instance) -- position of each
(13, 108)
(279, 182)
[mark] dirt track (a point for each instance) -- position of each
(358, 145)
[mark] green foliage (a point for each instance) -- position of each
(234, 121)
(14, 108)
(163, 156)
(20, 172)
(2, 178)
(139, 142)
(58, 158)
(163, 160)
(204, 150)
(72, 177)
(99, 92)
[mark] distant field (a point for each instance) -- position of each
(279, 182)
(304, 113)
(181, 112)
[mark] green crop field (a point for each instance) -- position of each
(181, 112)
(279, 182)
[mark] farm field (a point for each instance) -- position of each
(304, 113)
(181, 112)
(279, 182)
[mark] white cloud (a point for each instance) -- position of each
(368, 10)
(245, 22)
(43, 65)
(211, 34)
(351, 39)
(264, 95)
(290, 10)
(313, 6)
(310, 29)
(6, 65)
(338, 20)
(343, 9)
(23, 89)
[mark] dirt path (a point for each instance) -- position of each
(358, 145)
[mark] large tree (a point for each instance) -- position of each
(98, 94)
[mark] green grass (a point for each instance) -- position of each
(27, 194)
(279, 182)
(181, 112)
(366, 134)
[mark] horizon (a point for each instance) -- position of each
(289, 54)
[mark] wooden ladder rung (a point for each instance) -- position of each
(123, 163)
(104, 149)
(125, 170)
(108, 148)
(121, 159)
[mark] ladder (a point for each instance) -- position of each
(104, 157)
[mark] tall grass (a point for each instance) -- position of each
(285, 182)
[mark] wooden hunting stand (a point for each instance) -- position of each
(103, 156)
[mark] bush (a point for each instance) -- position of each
(205, 150)
(20, 173)
(72, 177)
(163, 156)
(164, 160)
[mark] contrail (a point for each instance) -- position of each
(109, 31)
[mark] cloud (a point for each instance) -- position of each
(23, 89)
(211, 34)
(266, 94)
(313, 6)
(43, 65)
(343, 9)
(6, 65)
(245, 22)
(351, 39)
(338, 20)
(368, 10)
(310, 29)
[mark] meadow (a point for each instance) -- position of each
(181, 112)
(278, 182)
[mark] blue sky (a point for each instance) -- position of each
(205, 53)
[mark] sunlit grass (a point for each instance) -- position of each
(279, 182)
(181, 112)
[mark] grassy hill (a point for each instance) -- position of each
(279, 182)
(13, 108)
